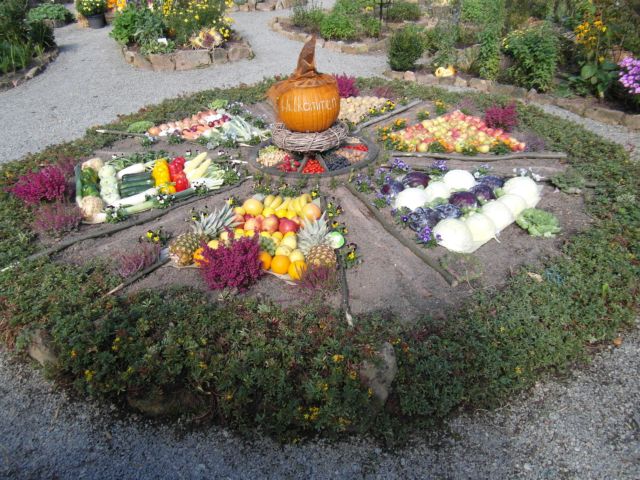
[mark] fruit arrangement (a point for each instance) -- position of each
(121, 187)
(271, 156)
(292, 233)
(453, 132)
(355, 109)
(313, 166)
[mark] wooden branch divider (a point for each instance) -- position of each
(393, 113)
(344, 286)
(483, 158)
(127, 224)
(138, 276)
(417, 251)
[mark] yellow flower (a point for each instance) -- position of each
(518, 370)
(88, 375)
(73, 354)
(337, 358)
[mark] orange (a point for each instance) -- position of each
(265, 258)
(297, 269)
(280, 264)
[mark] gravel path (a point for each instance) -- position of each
(90, 83)
(585, 426)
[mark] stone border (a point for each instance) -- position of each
(576, 106)
(281, 25)
(263, 6)
(12, 80)
(182, 60)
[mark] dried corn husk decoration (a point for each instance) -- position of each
(308, 101)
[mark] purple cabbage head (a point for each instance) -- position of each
(463, 200)
(416, 179)
(447, 210)
(392, 188)
(483, 192)
(492, 181)
(423, 217)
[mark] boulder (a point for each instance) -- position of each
(41, 348)
(162, 62)
(480, 84)
(192, 59)
(604, 115)
(379, 375)
(427, 79)
(219, 55)
(409, 76)
(239, 51)
(632, 121)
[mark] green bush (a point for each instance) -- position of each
(369, 26)
(137, 25)
(401, 11)
(49, 11)
(473, 11)
(338, 26)
(15, 56)
(490, 37)
(89, 8)
(406, 46)
(308, 16)
(535, 54)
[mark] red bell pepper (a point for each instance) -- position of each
(176, 167)
(181, 182)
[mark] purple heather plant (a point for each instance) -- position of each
(48, 183)
(55, 219)
(347, 86)
(145, 255)
(236, 265)
(533, 143)
(501, 117)
(630, 74)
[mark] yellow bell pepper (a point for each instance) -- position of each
(162, 177)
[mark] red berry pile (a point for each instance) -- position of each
(289, 164)
(313, 166)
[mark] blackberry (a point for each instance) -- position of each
(336, 162)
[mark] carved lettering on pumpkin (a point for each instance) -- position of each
(300, 105)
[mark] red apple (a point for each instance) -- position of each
(287, 225)
(253, 224)
(238, 218)
(297, 220)
(270, 224)
(247, 217)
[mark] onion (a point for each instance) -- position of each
(411, 198)
(459, 180)
(499, 214)
(515, 203)
(437, 190)
(454, 235)
(525, 187)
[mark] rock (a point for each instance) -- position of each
(409, 76)
(192, 59)
(574, 106)
(283, 4)
(41, 348)
(355, 48)
(244, 7)
(446, 80)
(266, 6)
(140, 61)
(380, 375)
(480, 84)
(428, 79)
(239, 51)
(632, 121)
(129, 56)
(604, 115)
(501, 89)
(466, 57)
(32, 73)
(162, 62)
(459, 82)
(219, 56)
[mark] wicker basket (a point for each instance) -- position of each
(309, 142)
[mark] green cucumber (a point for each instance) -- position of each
(128, 190)
(135, 177)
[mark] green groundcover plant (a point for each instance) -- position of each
(293, 372)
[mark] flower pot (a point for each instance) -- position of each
(96, 21)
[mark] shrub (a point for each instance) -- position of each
(49, 11)
(505, 118)
(338, 26)
(308, 16)
(401, 11)
(88, 8)
(234, 266)
(406, 46)
(144, 255)
(137, 25)
(489, 37)
(182, 23)
(535, 55)
(347, 86)
(473, 11)
(368, 26)
(56, 219)
(48, 183)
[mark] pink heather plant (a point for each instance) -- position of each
(236, 265)
(347, 86)
(57, 218)
(630, 74)
(144, 256)
(501, 117)
(49, 183)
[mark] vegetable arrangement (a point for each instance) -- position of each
(356, 109)
(458, 210)
(453, 132)
(290, 234)
(114, 190)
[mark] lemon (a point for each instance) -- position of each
(296, 256)
(283, 250)
(291, 241)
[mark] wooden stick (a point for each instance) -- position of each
(127, 224)
(121, 133)
(404, 241)
(138, 276)
(482, 158)
(393, 113)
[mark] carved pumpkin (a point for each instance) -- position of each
(308, 101)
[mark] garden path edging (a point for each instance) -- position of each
(36, 67)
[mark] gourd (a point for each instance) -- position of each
(515, 203)
(453, 234)
(481, 227)
(411, 198)
(308, 101)
(524, 187)
(499, 214)
(437, 190)
(459, 180)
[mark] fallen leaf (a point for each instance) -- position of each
(617, 341)
(536, 276)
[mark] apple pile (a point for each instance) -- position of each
(191, 128)
(456, 132)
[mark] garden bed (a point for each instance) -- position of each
(189, 59)
(37, 66)
(301, 369)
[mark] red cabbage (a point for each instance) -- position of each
(463, 200)
(492, 181)
(448, 211)
(483, 192)
(416, 179)
(392, 188)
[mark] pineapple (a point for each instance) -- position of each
(312, 240)
(204, 228)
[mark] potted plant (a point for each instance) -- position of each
(93, 11)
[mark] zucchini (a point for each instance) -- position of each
(135, 177)
(135, 168)
(128, 190)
